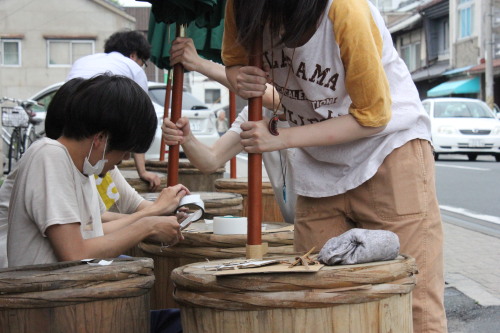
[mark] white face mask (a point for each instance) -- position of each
(89, 169)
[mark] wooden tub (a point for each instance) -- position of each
(366, 298)
(76, 297)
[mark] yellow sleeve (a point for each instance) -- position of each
(232, 52)
(360, 43)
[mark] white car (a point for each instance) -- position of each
(463, 126)
(201, 118)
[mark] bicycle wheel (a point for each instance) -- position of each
(15, 147)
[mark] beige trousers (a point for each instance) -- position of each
(401, 197)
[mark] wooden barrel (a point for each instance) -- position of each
(76, 297)
(216, 203)
(270, 208)
(374, 297)
(200, 244)
(189, 176)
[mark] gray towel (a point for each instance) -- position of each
(358, 246)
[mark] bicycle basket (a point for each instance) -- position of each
(14, 117)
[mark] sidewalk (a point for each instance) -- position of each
(472, 263)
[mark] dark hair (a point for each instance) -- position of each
(291, 19)
(127, 42)
(54, 119)
(115, 105)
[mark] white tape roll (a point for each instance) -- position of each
(230, 225)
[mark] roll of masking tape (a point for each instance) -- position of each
(230, 225)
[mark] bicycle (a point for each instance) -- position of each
(23, 120)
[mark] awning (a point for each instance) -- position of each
(406, 23)
(469, 86)
(457, 70)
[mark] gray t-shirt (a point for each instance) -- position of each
(48, 190)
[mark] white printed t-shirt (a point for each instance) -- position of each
(113, 62)
(129, 199)
(348, 66)
(48, 190)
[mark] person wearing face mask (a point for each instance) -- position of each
(54, 209)
(125, 53)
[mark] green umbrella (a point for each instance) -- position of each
(207, 13)
(184, 11)
(207, 40)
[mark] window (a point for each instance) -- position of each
(443, 37)
(212, 96)
(410, 50)
(63, 53)
(465, 18)
(10, 52)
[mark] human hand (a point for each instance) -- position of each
(152, 178)
(177, 133)
(250, 80)
(183, 52)
(165, 229)
(168, 200)
(256, 138)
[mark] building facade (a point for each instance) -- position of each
(40, 40)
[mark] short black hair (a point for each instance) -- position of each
(116, 106)
(127, 42)
(54, 119)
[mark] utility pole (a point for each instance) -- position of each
(489, 54)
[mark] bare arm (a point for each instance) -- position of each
(166, 203)
(68, 244)
(256, 137)
(150, 177)
(206, 159)
(184, 52)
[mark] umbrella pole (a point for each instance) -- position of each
(255, 249)
(173, 151)
(166, 104)
(232, 118)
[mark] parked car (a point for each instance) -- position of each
(201, 118)
(463, 126)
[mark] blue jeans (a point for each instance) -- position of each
(166, 321)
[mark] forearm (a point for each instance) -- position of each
(67, 242)
(213, 71)
(209, 159)
(140, 163)
(329, 132)
(116, 242)
(123, 220)
(111, 216)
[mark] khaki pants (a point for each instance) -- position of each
(401, 197)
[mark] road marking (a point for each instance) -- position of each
(461, 167)
(469, 213)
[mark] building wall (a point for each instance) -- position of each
(35, 20)
(466, 51)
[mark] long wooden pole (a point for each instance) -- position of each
(166, 107)
(255, 249)
(232, 118)
(173, 151)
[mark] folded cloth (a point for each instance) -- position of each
(358, 246)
